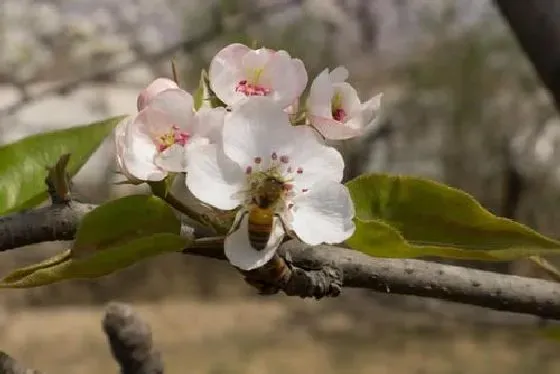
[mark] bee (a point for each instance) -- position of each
(262, 211)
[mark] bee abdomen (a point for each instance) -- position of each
(260, 225)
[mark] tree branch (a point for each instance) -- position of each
(10, 366)
(535, 26)
(130, 339)
(327, 267)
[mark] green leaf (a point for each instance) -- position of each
(200, 91)
(113, 236)
(401, 216)
(23, 163)
(98, 264)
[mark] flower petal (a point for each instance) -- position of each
(239, 251)
(350, 100)
(256, 128)
(370, 111)
(225, 72)
(320, 96)
(324, 214)
(209, 123)
(281, 75)
(335, 130)
(177, 105)
(138, 158)
(301, 75)
(213, 178)
(154, 88)
(339, 74)
(172, 159)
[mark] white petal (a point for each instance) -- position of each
(226, 71)
(213, 178)
(138, 159)
(154, 88)
(209, 123)
(339, 74)
(301, 75)
(172, 159)
(324, 214)
(256, 59)
(320, 96)
(177, 104)
(256, 128)
(350, 100)
(281, 75)
(241, 254)
(318, 162)
(370, 110)
(335, 130)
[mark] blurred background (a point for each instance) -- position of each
(462, 105)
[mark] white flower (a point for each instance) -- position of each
(334, 108)
(238, 71)
(154, 141)
(259, 145)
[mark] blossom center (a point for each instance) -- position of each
(173, 136)
(338, 113)
(252, 86)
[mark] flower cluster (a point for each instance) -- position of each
(261, 152)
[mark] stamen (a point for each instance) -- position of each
(304, 189)
(248, 170)
(284, 159)
(299, 170)
(274, 156)
(173, 136)
(290, 205)
(250, 89)
(289, 169)
(258, 160)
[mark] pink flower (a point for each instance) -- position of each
(238, 71)
(334, 108)
(155, 140)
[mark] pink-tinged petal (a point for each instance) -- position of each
(351, 103)
(324, 214)
(339, 74)
(138, 159)
(256, 59)
(226, 72)
(280, 75)
(172, 159)
(153, 89)
(336, 130)
(239, 251)
(213, 178)
(120, 146)
(320, 96)
(301, 75)
(153, 123)
(177, 105)
(209, 123)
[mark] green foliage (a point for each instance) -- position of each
(111, 237)
(398, 216)
(23, 163)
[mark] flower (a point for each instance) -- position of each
(154, 141)
(259, 144)
(153, 89)
(238, 71)
(334, 108)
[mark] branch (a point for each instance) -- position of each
(10, 366)
(130, 339)
(326, 266)
(535, 26)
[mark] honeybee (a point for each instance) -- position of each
(262, 211)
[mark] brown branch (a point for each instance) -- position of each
(535, 25)
(330, 265)
(8, 365)
(130, 340)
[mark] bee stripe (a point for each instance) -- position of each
(259, 233)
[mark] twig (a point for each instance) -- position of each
(130, 339)
(408, 277)
(10, 366)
